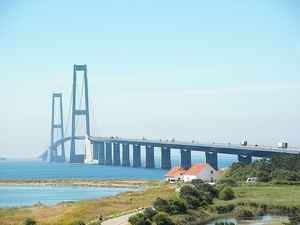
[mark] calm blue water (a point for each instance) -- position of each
(14, 196)
(10, 169)
(29, 195)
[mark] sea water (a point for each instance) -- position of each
(12, 169)
(29, 169)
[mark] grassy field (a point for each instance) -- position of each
(271, 195)
(88, 210)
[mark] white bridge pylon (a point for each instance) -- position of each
(88, 152)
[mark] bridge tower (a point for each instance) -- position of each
(74, 158)
(52, 152)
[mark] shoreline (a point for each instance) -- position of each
(141, 184)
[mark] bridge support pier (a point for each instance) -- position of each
(150, 157)
(101, 153)
(108, 160)
(116, 159)
(165, 158)
(136, 156)
(125, 155)
(245, 158)
(211, 158)
(96, 151)
(185, 158)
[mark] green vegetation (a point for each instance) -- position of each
(279, 169)
(197, 200)
(29, 221)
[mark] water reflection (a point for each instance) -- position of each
(261, 220)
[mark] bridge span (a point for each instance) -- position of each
(106, 151)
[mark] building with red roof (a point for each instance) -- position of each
(201, 171)
(175, 174)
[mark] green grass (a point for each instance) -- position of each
(275, 195)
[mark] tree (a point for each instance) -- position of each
(226, 194)
(197, 182)
(161, 205)
(238, 171)
(162, 218)
(176, 205)
(29, 221)
(149, 213)
(139, 219)
(209, 189)
(191, 196)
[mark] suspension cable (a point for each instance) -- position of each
(70, 105)
(80, 102)
(90, 98)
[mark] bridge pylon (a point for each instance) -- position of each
(53, 155)
(77, 158)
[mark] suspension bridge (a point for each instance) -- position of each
(127, 152)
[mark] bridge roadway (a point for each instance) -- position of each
(244, 153)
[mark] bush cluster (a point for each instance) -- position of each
(191, 197)
(280, 169)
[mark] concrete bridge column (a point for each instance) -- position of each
(185, 158)
(95, 150)
(245, 158)
(136, 156)
(108, 160)
(101, 154)
(116, 159)
(165, 158)
(150, 157)
(125, 155)
(211, 158)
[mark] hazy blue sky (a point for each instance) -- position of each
(210, 71)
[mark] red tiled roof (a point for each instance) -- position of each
(196, 168)
(174, 170)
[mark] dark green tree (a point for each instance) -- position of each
(208, 188)
(191, 196)
(238, 171)
(161, 205)
(149, 213)
(176, 205)
(138, 219)
(162, 218)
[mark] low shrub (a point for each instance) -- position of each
(29, 221)
(243, 212)
(226, 194)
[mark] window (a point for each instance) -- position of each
(211, 172)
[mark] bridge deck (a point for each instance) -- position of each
(257, 150)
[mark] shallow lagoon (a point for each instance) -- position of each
(21, 195)
(260, 220)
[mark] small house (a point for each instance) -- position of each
(201, 171)
(175, 174)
